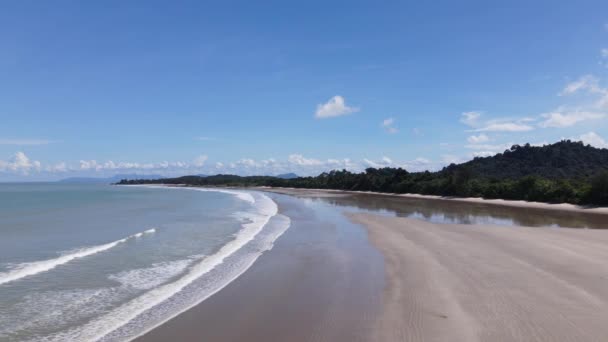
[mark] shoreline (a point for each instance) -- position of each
(567, 207)
(321, 280)
(471, 200)
(362, 276)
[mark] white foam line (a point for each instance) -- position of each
(149, 231)
(32, 268)
(216, 290)
(242, 195)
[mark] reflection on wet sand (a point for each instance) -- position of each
(441, 211)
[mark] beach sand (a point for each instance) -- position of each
(350, 269)
(449, 282)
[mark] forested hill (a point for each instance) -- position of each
(562, 172)
(562, 160)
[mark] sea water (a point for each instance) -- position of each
(99, 262)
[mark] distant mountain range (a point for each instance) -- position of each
(108, 180)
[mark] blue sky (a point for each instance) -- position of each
(172, 88)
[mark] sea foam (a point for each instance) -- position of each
(242, 195)
(35, 267)
(151, 277)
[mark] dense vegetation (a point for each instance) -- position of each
(562, 172)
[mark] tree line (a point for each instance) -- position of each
(564, 172)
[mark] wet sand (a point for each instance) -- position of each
(455, 211)
(322, 281)
(450, 282)
(561, 207)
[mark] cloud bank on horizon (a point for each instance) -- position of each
(253, 96)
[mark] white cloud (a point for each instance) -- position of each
(388, 122)
(590, 84)
(296, 163)
(336, 106)
(483, 154)
(586, 82)
(24, 142)
(421, 160)
(451, 159)
(470, 118)
(477, 139)
(345, 163)
(246, 162)
(561, 117)
(604, 52)
(489, 149)
(389, 126)
(93, 165)
(302, 165)
(299, 159)
(566, 119)
(593, 139)
(496, 148)
(20, 163)
(20, 160)
(504, 127)
(270, 162)
(204, 138)
(527, 119)
(88, 165)
(200, 160)
(540, 144)
(384, 162)
(418, 164)
(59, 167)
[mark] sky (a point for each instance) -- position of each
(268, 87)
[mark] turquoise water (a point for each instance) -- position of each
(100, 262)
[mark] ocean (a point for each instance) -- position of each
(83, 262)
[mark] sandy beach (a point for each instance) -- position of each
(487, 283)
(362, 267)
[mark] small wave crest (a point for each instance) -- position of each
(244, 196)
(32, 268)
(151, 277)
(140, 234)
